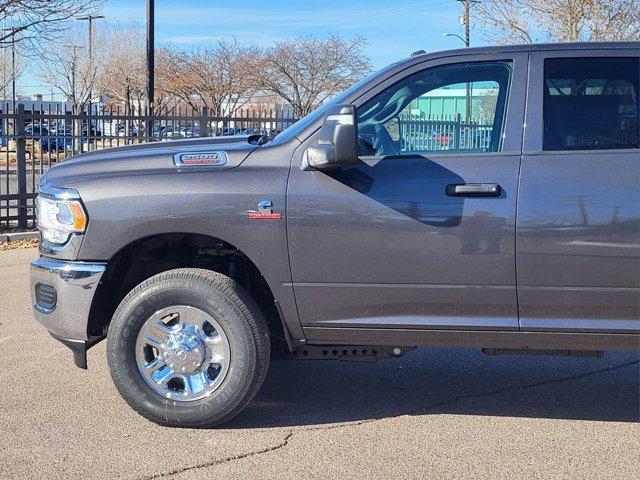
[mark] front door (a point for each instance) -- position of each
(421, 232)
(578, 232)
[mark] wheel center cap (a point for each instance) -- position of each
(184, 352)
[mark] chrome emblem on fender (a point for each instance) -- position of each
(200, 159)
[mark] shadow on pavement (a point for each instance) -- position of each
(447, 381)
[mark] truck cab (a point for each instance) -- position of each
(485, 197)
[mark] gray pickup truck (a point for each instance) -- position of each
(486, 197)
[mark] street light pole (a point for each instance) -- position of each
(457, 36)
(90, 19)
(150, 54)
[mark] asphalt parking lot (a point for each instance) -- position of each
(436, 413)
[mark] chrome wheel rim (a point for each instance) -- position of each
(182, 353)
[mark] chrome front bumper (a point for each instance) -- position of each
(70, 288)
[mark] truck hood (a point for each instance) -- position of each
(148, 158)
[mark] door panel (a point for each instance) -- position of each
(578, 232)
(381, 243)
(578, 247)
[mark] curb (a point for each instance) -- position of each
(16, 237)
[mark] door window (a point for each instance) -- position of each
(450, 109)
(591, 103)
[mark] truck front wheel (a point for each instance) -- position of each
(188, 347)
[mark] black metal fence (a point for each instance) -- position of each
(424, 133)
(32, 142)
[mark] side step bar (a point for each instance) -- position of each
(348, 353)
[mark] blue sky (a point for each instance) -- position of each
(393, 29)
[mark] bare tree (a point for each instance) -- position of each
(37, 21)
(66, 67)
(6, 68)
(528, 21)
(306, 71)
(220, 78)
(486, 102)
(124, 74)
(164, 78)
(173, 76)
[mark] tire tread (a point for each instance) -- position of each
(255, 327)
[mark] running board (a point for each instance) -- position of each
(556, 353)
(474, 338)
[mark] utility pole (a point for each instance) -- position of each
(90, 19)
(466, 20)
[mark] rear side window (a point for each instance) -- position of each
(591, 103)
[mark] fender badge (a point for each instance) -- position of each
(200, 159)
(265, 212)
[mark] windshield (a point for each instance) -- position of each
(298, 127)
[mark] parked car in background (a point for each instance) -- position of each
(254, 131)
(227, 131)
(442, 139)
(121, 130)
(189, 131)
(338, 239)
(170, 134)
(160, 130)
(56, 143)
(36, 130)
(91, 132)
(59, 128)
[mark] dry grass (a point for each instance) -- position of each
(18, 244)
(33, 156)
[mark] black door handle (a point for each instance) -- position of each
(474, 190)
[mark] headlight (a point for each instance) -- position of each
(60, 215)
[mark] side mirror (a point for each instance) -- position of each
(337, 142)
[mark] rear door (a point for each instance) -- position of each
(388, 242)
(578, 229)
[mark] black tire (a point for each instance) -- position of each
(231, 306)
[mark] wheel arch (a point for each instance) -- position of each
(149, 255)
